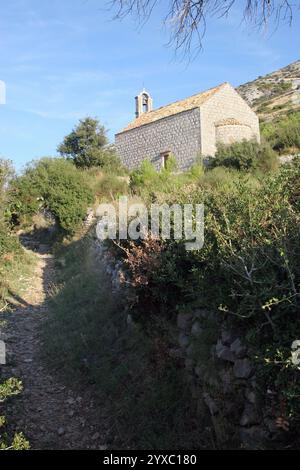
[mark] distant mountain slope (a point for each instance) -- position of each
(274, 94)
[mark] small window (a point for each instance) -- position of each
(164, 158)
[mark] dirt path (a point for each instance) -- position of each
(51, 415)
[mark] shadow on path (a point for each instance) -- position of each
(49, 413)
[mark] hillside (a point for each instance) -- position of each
(275, 93)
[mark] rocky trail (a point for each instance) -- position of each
(51, 414)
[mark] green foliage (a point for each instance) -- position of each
(248, 269)
(196, 171)
(111, 164)
(219, 177)
(284, 133)
(12, 261)
(10, 247)
(6, 172)
(87, 338)
(110, 187)
(53, 184)
(151, 184)
(270, 89)
(85, 145)
(144, 175)
(245, 155)
(9, 388)
(274, 88)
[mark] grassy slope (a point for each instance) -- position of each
(16, 274)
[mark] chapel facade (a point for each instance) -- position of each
(187, 128)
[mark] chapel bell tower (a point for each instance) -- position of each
(143, 103)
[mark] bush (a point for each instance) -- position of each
(6, 173)
(110, 187)
(284, 133)
(248, 270)
(56, 185)
(245, 155)
(8, 243)
(111, 163)
(149, 183)
(8, 389)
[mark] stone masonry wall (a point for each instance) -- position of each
(222, 376)
(227, 103)
(179, 134)
(218, 367)
(233, 133)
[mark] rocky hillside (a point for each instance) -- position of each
(275, 93)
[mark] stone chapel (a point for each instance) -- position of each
(186, 128)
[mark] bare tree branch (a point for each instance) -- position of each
(187, 18)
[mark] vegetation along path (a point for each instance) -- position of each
(51, 414)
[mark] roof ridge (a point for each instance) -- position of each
(146, 118)
(191, 96)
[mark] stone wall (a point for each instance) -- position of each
(227, 103)
(223, 382)
(219, 369)
(179, 134)
(233, 133)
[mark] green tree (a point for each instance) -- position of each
(7, 242)
(6, 173)
(56, 185)
(86, 144)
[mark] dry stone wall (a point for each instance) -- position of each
(223, 381)
(219, 368)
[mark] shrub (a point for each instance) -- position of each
(111, 187)
(8, 389)
(8, 243)
(149, 183)
(245, 155)
(111, 163)
(283, 133)
(6, 173)
(56, 185)
(248, 270)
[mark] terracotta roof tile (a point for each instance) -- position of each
(174, 108)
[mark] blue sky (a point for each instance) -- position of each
(62, 60)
